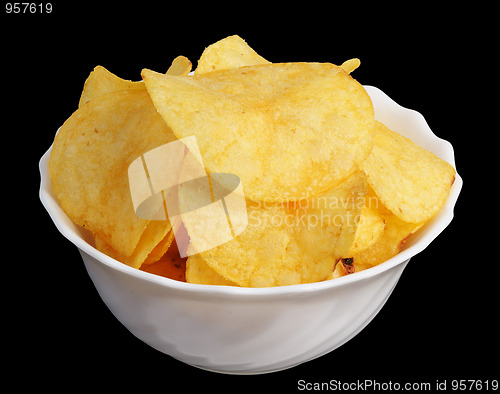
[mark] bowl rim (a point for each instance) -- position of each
(426, 235)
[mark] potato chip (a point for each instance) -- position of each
(153, 244)
(230, 52)
(388, 245)
(198, 271)
(101, 81)
(389, 241)
(90, 158)
(329, 222)
(290, 243)
(350, 65)
(370, 227)
(289, 131)
(181, 65)
(411, 182)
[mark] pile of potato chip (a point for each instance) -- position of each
(329, 191)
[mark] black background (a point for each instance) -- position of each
(441, 321)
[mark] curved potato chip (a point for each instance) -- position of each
(286, 244)
(230, 52)
(198, 271)
(101, 81)
(90, 158)
(410, 181)
(350, 65)
(289, 131)
(370, 228)
(153, 244)
(388, 245)
(181, 65)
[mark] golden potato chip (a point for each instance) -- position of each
(389, 237)
(289, 131)
(388, 245)
(290, 243)
(370, 228)
(328, 223)
(198, 271)
(90, 158)
(411, 182)
(230, 52)
(152, 245)
(101, 81)
(350, 65)
(181, 65)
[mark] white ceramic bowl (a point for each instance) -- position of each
(255, 330)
